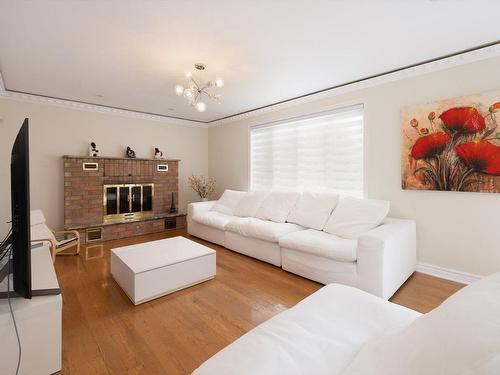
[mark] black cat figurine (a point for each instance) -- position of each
(93, 151)
(130, 153)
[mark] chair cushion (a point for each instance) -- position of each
(320, 335)
(228, 201)
(313, 209)
(353, 216)
(66, 241)
(37, 217)
(213, 219)
(261, 229)
(250, 203)
(461, 336)
(322, 244)
(41, 232)
(277, 205)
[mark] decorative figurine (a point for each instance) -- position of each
(173, 209)
(158, 153)
(130, 153)
(93, 151)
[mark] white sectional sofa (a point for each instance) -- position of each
(314, 235)
(340, 330)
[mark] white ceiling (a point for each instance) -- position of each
(132, 53)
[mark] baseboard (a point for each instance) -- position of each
(447, 273)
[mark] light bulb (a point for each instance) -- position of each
(189, 75)
(179, 90)
(219, 82)
(188, 93)
(201, 107)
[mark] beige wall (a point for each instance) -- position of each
(56, 131)
(455, 230)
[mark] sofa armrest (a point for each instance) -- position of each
(198, 207)
(387, 256)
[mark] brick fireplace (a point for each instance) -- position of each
(112, 198)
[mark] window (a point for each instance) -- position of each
(323, 152)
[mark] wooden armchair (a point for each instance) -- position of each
(59, 240)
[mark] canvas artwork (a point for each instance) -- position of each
(452, 145)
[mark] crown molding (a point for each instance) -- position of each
(444, 63)
(6, 94)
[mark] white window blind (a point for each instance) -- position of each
(323, 152)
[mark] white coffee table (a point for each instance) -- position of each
(153, 269)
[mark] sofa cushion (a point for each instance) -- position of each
(228, 201)
(313, 209)
(461, 336)
(261, 229)
(213, 219)
(277, 205)
(250, 203)
(319, 335)
(353, 216)
(321, 244)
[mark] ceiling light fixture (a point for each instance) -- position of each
(195, 90)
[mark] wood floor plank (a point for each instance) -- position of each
(104, 333)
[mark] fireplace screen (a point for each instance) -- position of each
(128, 201)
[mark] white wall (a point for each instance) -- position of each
(57, 131)
(455, 230)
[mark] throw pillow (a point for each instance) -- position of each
(250, 203)
(353, 216)
(313, 209)
(228, 202)
(277, 205)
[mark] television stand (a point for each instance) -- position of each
(39, 321)
(43, 278)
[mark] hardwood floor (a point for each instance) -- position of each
(103, 333)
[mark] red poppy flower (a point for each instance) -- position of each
(414, 122)
(430, 145)
(431, 116)
(481, 156)
(463, 120)
(495, 107)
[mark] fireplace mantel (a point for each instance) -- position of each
(97, 158)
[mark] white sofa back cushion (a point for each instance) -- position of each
(250, 203)
(353, 216)
(313, 209)
(462, 336)
(277, 206)
(228, 201)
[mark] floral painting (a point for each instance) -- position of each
(452, 145)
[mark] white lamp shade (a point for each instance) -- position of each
(188, 93)
(179, 90)
(201, 107)
(219, 82)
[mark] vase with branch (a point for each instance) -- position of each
(203, 186)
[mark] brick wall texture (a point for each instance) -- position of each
(84, 190)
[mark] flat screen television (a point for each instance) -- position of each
(20, 239)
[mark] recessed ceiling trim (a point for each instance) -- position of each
(40, 99)
(483, 52)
